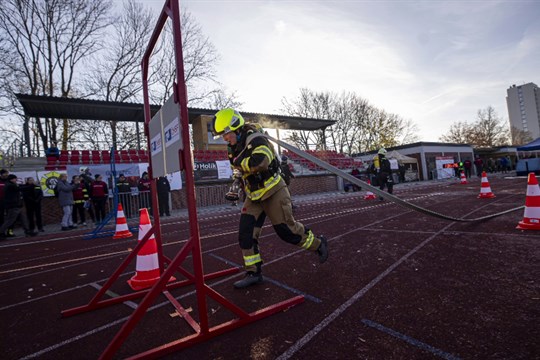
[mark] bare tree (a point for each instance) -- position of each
(359, 126)
(46, 41)
(221, 98)
(520, 137)
(200, 61)
(115, 72)
(487, 131)
(459, 133)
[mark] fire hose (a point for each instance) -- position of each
(377, 191)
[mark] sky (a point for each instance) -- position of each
(433, 62)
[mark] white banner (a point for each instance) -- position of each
(224, 169)
(444, 173)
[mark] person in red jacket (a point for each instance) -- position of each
(145, 196)
(99, 193)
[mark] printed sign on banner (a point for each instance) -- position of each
(442, 172)
(48, 180)
(171, 132)
(224, 169)
(155, 144)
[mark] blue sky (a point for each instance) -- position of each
(434, 62)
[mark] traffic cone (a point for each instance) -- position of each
(485, 189)
(369, 195)
(147, 268)
(122, 230)
(531, 216)
(463, 178)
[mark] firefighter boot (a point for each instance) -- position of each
(323, 249)
(251, 278)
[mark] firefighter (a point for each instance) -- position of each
(32, 196)
(384, 176)
(80, 198)
(124, 194)
(266, 194)
(99, 192)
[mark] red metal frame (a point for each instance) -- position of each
(202, 331)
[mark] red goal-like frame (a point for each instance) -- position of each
(201, 328)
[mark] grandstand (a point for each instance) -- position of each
(341, 161)
(94, 157)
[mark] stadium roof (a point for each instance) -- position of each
(84, 109)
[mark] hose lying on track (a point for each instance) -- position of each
(377, 191)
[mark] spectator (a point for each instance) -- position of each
(163, 189)
(80, 198)
(401, 170)
(13, 203)
(467, 165)
(123, 188)
(53, 150)
(3, 182)
(503, 164)
(385, 173)
(479, 165)
(65, 200)
(356, 173)
(32, 195)
(99, 192)
(86, 182)
(145, 196)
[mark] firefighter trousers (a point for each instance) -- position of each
(278, 209)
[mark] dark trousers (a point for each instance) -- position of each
(145, 201)
(12, 216)
(163, 200)
(33, 213)
(99, 206)
(385, 180)
(78, 212)
(125, 200)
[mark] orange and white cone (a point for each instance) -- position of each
(485, 189)
(147, 268)
(531, 216)
(122, 230)
(463, 178)
(369, 195)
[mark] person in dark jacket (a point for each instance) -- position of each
(13, 203)
(32, 195)
(145, 195)
(124, 194)
(99, 192)
(163, 189)
(80, 198)
(385, 172)
(3, 182)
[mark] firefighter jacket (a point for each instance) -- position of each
(80, 195)
(32, 194)
(123, 187)
(254, 156)
(385, 165)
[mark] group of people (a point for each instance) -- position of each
(19, 203)
(82, 197)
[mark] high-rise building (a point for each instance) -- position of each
(523, 102)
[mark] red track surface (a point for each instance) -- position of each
(398, 284)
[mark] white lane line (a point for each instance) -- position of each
(336, 313)
(129, 303)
